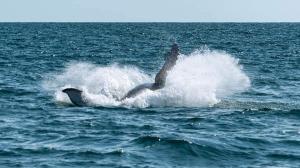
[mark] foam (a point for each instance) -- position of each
(201, 78)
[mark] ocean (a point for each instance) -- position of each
(232, 99)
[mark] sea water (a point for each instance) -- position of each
(232, 99)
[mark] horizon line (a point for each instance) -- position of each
(149, 21)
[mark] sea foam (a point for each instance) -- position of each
(199, 79)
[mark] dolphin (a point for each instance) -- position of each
(77, 98)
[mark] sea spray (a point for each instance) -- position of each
(201, 78)
(101, 85)
(204, 77)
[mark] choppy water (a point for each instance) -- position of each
(232, 100)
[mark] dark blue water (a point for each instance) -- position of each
(256, 126)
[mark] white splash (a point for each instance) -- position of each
(202, 78)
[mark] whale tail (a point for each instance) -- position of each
(75, 96)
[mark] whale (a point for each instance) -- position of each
(76, 96)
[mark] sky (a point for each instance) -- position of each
(149, 10)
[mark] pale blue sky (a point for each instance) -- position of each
(150, 10)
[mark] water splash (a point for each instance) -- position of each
(201, 78)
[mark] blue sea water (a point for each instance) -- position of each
(232, 100)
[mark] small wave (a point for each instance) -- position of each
(8, 91)
(184, 145)
(257, 106)
(64, 152)
(35, 150)
(203, 149)
(201, 78)
(284, 156)
(147, 140)
(6, 153)
(295, 113)
(255, 141)
(93, 153)
(290, 142)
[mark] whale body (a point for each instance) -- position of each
(77, 98)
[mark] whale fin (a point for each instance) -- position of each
(75, 96)
(171, 58)
(137, 90)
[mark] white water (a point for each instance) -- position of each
(202, 78)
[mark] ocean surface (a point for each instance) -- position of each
(232, 100)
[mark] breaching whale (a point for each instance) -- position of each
(77, 98)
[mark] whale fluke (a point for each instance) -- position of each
(75, 96)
